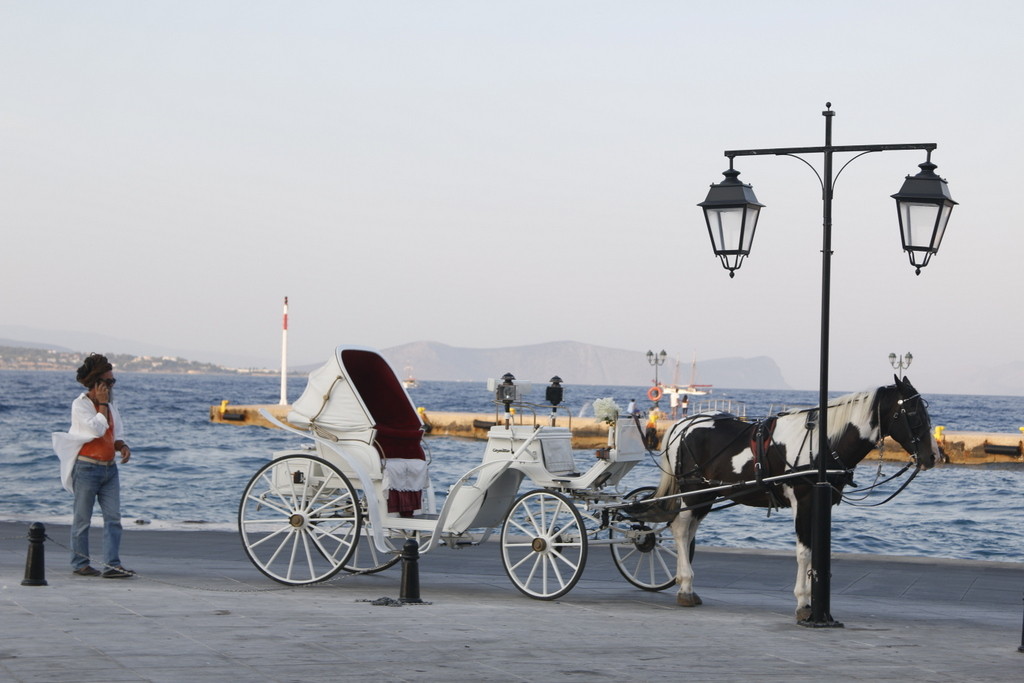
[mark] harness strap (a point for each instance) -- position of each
(760, 442)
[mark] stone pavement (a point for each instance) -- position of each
(199, 611)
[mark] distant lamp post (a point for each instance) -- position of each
(731, 211)
(901, 362)
(657, 360)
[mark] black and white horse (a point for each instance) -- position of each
(716, 450)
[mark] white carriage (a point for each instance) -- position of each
(351, 498)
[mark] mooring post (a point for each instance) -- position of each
(410, 591)
(35, 564)
(1021, 648)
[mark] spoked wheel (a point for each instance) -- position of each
(299, 519)
(644, 553)
(544, 544)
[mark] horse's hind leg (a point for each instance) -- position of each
(684, 530)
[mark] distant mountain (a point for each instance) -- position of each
(32, 345)
(576, 363)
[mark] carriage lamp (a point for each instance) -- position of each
(923, 205)
(506, 391)
(731, 212)
(553, 394)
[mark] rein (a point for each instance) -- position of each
(895, 493)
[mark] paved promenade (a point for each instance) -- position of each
(199, 611)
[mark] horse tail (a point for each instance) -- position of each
(670, 442)
(667, 484)
(662, 510)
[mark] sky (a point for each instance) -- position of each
(490, 174)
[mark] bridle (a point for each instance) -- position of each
(908, 416)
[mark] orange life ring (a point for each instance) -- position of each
(654, 393)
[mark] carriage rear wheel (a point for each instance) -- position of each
(644, 553)
(544, 544)
(299, 519)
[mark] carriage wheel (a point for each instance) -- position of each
(299, 519)
(644, 553)
(544, 544)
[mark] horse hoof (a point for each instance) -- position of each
(803, 613)
(688, 600)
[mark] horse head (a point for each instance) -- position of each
(909, 424)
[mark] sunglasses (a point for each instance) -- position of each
(109, 382)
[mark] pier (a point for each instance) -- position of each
(960, 448)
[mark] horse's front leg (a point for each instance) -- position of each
(684, 530)
(802, 590)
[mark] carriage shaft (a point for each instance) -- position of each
(727, 487)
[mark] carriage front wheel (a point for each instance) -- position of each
(645, 554)
(299, 519)
(544, 544)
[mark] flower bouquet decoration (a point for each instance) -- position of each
(607, 411)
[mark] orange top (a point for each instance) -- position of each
(101, 448)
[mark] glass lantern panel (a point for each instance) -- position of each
(726, 226)
(940, 229)
(748, 229)
(918, 223)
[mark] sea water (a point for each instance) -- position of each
(187, 472)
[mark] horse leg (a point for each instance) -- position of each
(802, 589)
(684, 530)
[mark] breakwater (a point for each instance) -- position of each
(960, 448)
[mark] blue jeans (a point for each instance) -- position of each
(91, 483)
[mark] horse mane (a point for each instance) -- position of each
(855, 409)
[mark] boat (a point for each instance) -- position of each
(691, 389)
(409, 382)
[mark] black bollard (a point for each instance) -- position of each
(410, 592)
(1021, 648)
(35, 564)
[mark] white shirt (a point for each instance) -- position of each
(87, 424)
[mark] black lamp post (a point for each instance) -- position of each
(901, 363)
(731, 211)
(657, 360)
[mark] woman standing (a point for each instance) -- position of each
(95, 439)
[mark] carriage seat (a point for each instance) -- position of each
(397, 442)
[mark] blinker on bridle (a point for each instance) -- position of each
(912, 429)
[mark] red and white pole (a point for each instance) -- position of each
(284, 355)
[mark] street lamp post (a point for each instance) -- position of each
(731, 211)
(657, 360)
(901, 363)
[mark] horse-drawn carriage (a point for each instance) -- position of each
(351, 499)
(362, 487)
